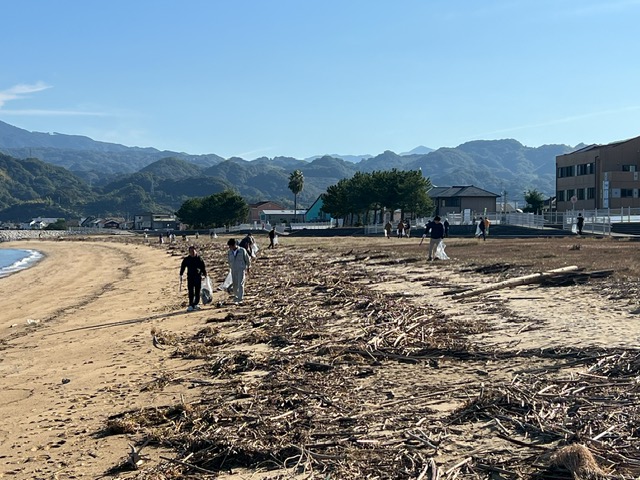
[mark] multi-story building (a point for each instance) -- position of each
(599, 176)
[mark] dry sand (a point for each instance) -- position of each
(76, 346)
(75, 333)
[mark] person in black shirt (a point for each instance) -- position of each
(580, 223)
(272, 238)
(196, 269)
(437, 234)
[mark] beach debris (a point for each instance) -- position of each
(135, 457)
(579, 460)
(329, 376)
(31, 321)
(156, 342)
(65, 381)
(514, 282)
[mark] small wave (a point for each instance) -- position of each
(31, 257)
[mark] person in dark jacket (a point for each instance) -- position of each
(446, 227)
(247, 243)
(194, 265)
(580, 223)
(437, 234)
(272, 238)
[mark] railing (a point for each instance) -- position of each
(311, 226)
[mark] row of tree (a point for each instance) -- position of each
(366, 196)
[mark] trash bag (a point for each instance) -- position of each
(440, 252)
(254, 250)
(574, 229)
(227, 282)
(275, 240)
(206, 291)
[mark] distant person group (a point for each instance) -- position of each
(239, 257)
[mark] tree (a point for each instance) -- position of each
(59, 224)
(217, 210)
(296, 184)
(535, 201)
(389, 189)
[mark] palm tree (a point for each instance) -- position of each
(296, 184)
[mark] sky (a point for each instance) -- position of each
(258, 78)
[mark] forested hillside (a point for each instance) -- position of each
(102, 179)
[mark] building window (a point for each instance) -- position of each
(561, 196)
(591, 193)
(570, 193)
(585, 169)
(580, 193)
(566, 171)
(629, 168)
(626, 192)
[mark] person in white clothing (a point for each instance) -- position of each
(239, 262)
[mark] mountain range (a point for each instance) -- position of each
(81, 176)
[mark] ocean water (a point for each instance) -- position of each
(13, 260)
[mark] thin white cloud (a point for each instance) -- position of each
(23, 90)
(20, 91)
(251, 153)
(558, 121)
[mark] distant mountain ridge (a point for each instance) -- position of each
(163, 179)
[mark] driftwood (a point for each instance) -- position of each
(514, 282)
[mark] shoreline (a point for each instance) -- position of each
(32, 258)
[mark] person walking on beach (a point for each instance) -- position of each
(400, 229)
(239, 262)
(407, 228)
(481, 231)
(387, 229)
(580, 223)
(272, 238)
(194, 265)
(247, 243)
(446, 227)
(437, 234)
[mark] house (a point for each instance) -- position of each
(155, 221)
(38, 223)
(111, 223)
(599, 176)
(314, 212)
(458, 199)
(256, 208)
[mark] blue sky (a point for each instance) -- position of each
(299, 78)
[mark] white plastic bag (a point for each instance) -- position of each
(440, 252)
(574, 229)
(275, 240)
(227, 282)
(206, 291)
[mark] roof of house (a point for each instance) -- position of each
(595, 146)
(257, 204)
(460, 191)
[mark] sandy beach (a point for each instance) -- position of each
(76, 346)
(76, 340)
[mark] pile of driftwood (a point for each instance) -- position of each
(348, 382)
